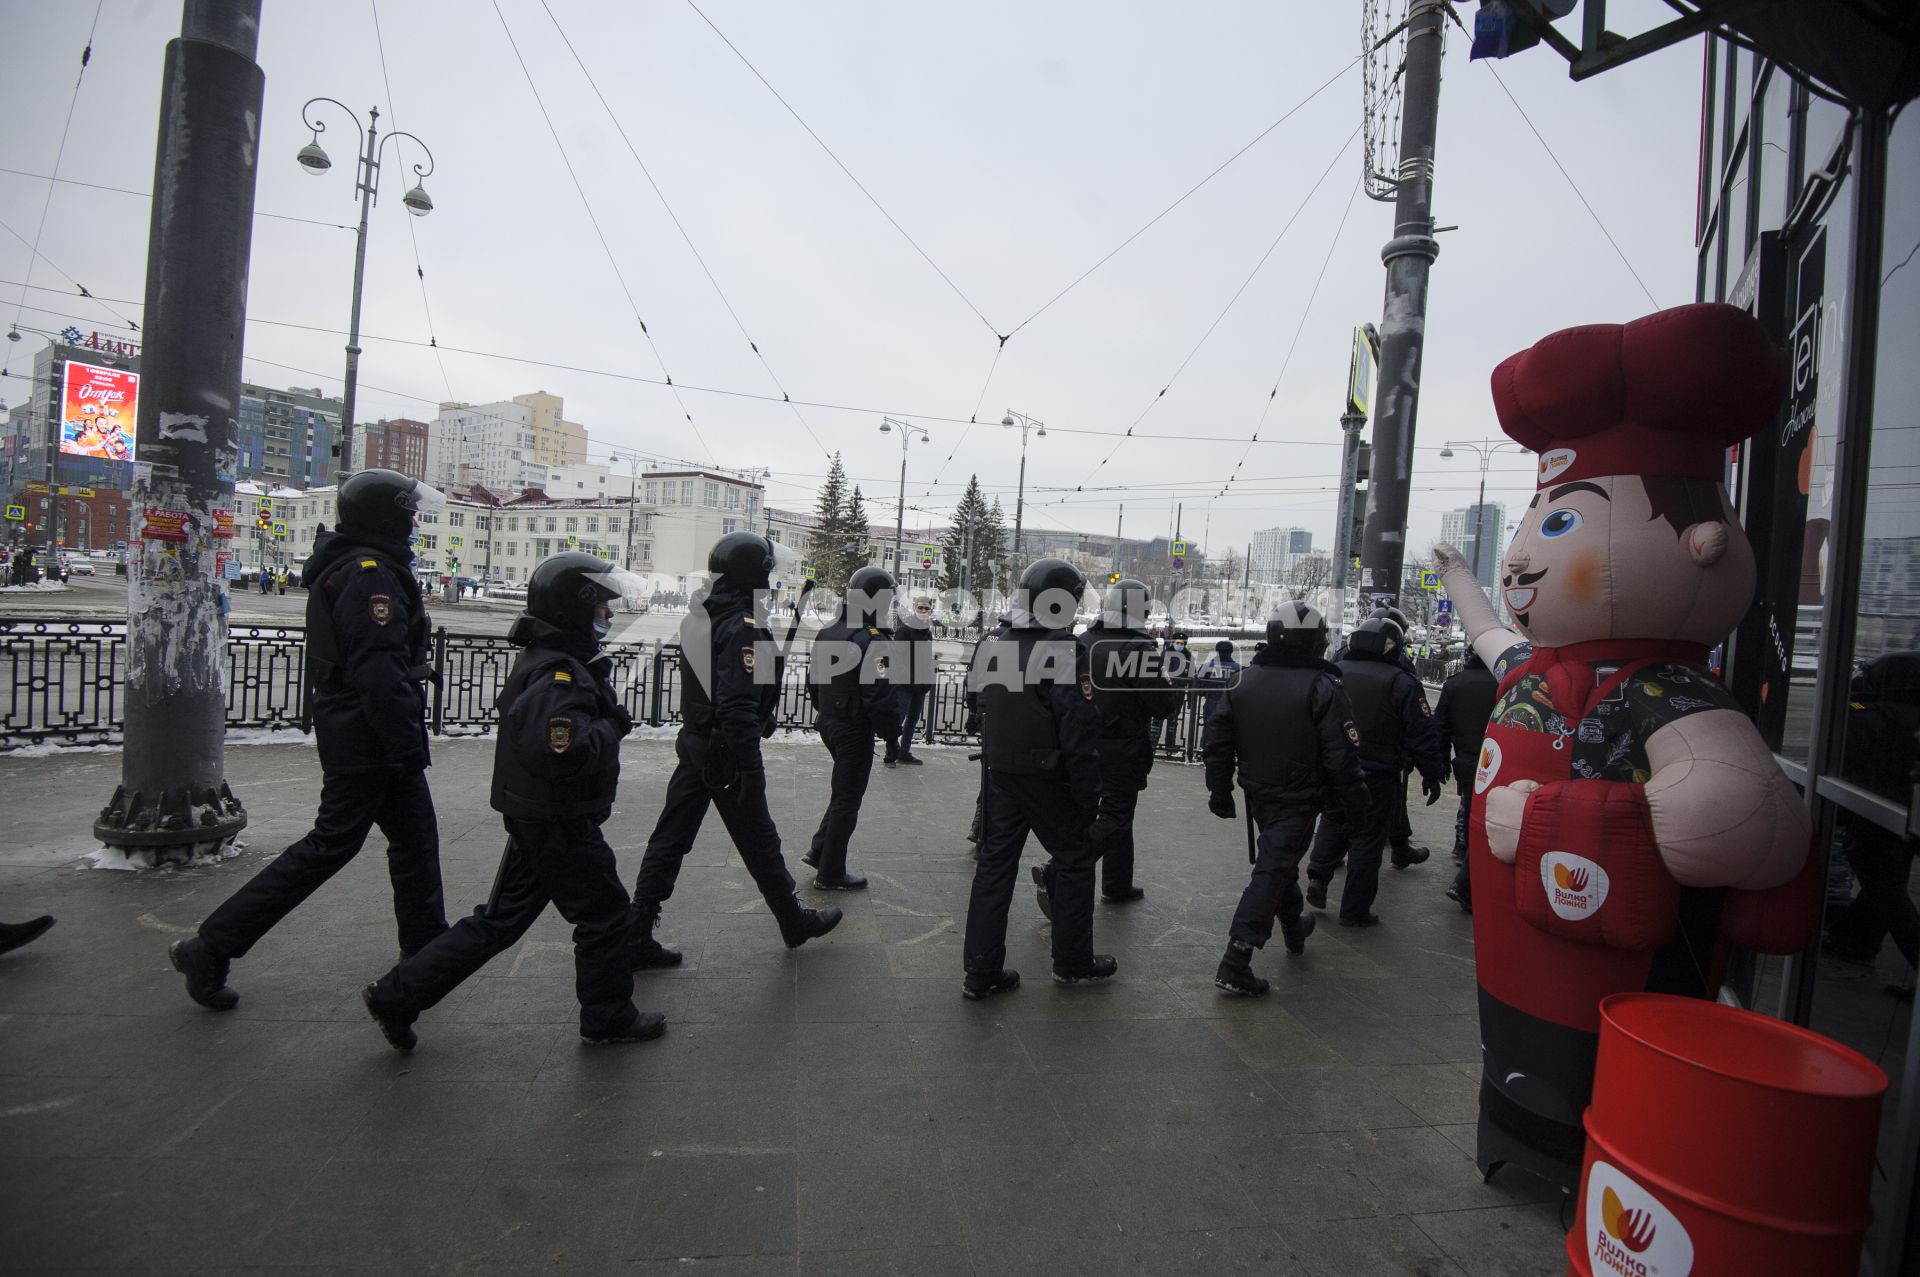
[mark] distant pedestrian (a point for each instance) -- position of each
(1466, 702)
(913, 650)
(1216, 676)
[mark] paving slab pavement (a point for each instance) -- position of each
(839, 1109)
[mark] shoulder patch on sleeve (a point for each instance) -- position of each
(560, 733)
(746, 659)
(1086, 686)
(368, 565)
(563, 676)
(873, 629)
(380, 608)
(1353, 733)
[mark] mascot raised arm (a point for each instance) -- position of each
(1631, 824)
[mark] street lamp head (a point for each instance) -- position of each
(1446, 452)
(418, 202)
(886, 427)
(313, 158)
(1007, 420)
(925, 437)
(1040, 432)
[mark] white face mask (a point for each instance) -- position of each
(602, 626)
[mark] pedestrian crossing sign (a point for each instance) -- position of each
(1178, 549)
(16, 512)
(809, 571)
(572, 540)
(1429, 580)
(926, 556)
(279, 531)
(454, 539)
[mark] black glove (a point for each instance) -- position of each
(1222, 806)
(1430, 786)
(972, 725)
(622, 721)
(750, 784)
(768, 728)
(1089, 812)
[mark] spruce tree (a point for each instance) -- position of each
(853, 536)
(990, 546)
(967, 518)
(830, 509)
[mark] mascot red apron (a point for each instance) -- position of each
(1629, 824)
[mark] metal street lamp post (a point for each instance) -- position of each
(1024, 422)
(367, 184)
(907, 431)
(1486, 452)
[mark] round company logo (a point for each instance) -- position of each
(1575, 886)
(1629, 1232)
(1489, 765)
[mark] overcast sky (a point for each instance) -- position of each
(1017, 143)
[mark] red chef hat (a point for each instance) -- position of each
(1667, 394)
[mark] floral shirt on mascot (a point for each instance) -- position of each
(1631, 824)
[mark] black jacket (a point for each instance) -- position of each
(558, 749)
(1390, 708)
(1287, 727)
(729, 674)
(912, 656)
(1036, 711)
(849, 678)
(367, 653)
(1466, 702)
(1130, 687)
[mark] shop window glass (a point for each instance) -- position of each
(1774, 136)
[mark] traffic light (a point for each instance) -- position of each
(453, 565)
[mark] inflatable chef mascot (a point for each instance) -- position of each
(1630, 824)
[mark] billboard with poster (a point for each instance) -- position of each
(97, 408)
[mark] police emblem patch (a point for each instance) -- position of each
(1353, 733)
(1086, 686)
(746, 659)
(560, 734)
(380, 608)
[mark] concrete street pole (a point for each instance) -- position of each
(173, 798)
(1341, 576)
(1408, 257)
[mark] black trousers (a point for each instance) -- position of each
(1123, 774)
(1364, 842)
(1045, 807)
(912, 701)
(748, 823)
(565, 862)
(1402, 825)
(1285, 822)
(351, 803)
(851, 746)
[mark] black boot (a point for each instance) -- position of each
(1411, 853)
(1043, 891)
(1102, 967)
(1235, 973)
(15, 934)
(644, 953)
(1316, 893)
(396, 1024)
(1294, 931)
(799, 924)
(845, 882)
(206, 974)
(981, 985)
(644, 1027)
(892, 757)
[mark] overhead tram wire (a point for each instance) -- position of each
(1571, 184)
(891, 221)
(972, 420)
(1218, 170)
(604, 246)
(80, 289)
(413, 237)
(1155, 401)
(1287, 362)
(679, 226)
(147, 195)
(33, 247)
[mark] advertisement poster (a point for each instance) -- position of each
(158, 524)
(97, 411)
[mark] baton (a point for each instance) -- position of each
(786, 647)
(499, 879)
(1251, 857)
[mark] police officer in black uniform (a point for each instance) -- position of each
(1396, 734)
(972, 725)
(367, 658)
(1403, 852)
(729, 692)
(1465, 705)
(855, 702)
(1040, 733)
(556, 765)
(1130, 691)
(1288, 728)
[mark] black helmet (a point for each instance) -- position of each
(743, 559)
(1393, 614)
(1298, 627)
(1126, 605)
(1377, 636)
(870, 596)
(1050, 592)
(384, 502)
(566, 590)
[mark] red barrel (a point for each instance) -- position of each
(1722, 1142)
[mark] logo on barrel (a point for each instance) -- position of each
(1629, 1232)
(1575, 886)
